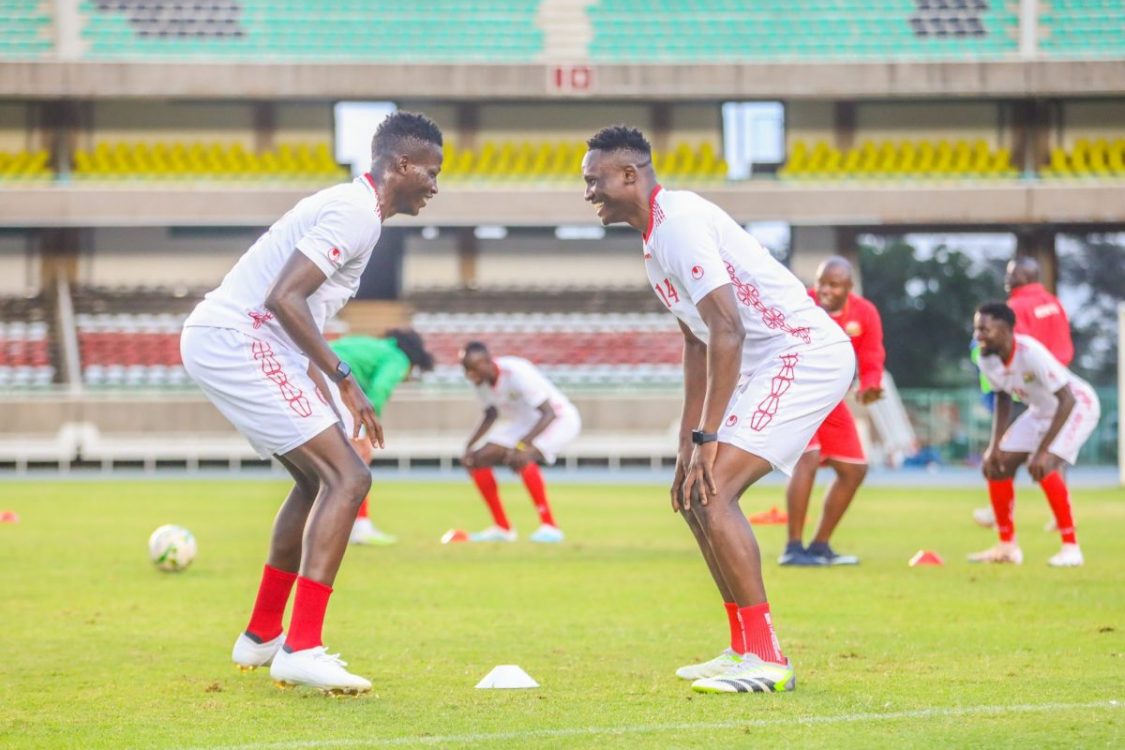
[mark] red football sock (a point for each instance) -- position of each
(1059, 497)
(486, 483)
(362, 509)
(737, 642)
(269, 607)
(758, 634)
(1002, 493)
(533, 480)
(308, 615)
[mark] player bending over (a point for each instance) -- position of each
(256, 347)
(763, 366)
(1062, 411)
(538, 422)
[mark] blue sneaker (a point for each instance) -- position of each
(795, 555)
(825, 555)
(547, 534)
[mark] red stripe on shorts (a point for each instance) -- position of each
(271, 368)
(780, 383)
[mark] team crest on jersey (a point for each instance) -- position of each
(1029, 377)
(697, 272)
(732, 420)
(853, 328)
(334, 256)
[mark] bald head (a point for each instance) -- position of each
(1020, 272)
(834, 283)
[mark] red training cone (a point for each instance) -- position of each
(925, 557)
(454, 535)
(9, 516)
(771, 517)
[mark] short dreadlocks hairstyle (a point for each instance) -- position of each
(620, 138)
(398, 128)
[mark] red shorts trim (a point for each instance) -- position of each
(837, 437)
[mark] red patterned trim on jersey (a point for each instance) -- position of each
(371, 181)
(773, 317)
(780, 383)
(260, 318)
(655, 213)
(271, 368)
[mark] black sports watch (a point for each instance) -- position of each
(699, 437)
(343, 370)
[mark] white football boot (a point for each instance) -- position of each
(248, 654)
(985, 517)
(547, 534)
(711, 667)
(750, 675)
(1003, 552)
(493, 534)
(364, 532)
(1070, 556)
(316, 668)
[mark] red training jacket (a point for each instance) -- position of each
(860, 320)
(1040, 315)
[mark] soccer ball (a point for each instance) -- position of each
(171, 548)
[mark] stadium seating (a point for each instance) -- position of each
(25, 29)
(1083, 28)
(353, 30)
(571, 348)
(25, 353)
(25, 165)
(546, 161)
(217, 161)
(728, 30)
(898, 159)
(1099, 158)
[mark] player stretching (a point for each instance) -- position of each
(836, 442)
(538, 423)
(763, 366)
(1062, 411)
(378, 365)
(256, 347)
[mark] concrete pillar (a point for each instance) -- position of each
(1029, 28)
(660, 136)
(468, 124)
(844, 124)
(468, 250)
(812, 245)
(1039, 243)
(265, 125)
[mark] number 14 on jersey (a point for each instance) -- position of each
(667, 293)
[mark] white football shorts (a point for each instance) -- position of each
(550, 442)
(777, 408)
(258, 383)
(1026, 433)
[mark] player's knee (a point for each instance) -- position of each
(854, 473)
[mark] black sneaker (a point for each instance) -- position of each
(825, 555)
(796, 555)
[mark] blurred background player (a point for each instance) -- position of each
(763, 366)
(538, 422)
(836, 441)
(256, 347)
(1062, 411)
(1040, 315)
(378, 365)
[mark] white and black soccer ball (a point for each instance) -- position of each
(171, 548)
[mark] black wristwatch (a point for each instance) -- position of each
(342, 372)
(699, 437)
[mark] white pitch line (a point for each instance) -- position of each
(923, 713)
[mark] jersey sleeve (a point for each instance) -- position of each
(689, 250)
(869, 349)
(531, 384)
(343, 231)
(1046, 369)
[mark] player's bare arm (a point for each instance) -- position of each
(525, 451)
(992, 463)
(1043, 462)
(719, 311)
(695, 389)
(288, 300)
(487, 420)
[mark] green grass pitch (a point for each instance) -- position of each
(100, 650)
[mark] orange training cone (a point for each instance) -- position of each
(9, 516)
(453, 536)
(771, 517)
(925, 557)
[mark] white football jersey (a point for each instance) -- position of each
(519, 391)
(1033, 374)
(692, 247)
(336, 229)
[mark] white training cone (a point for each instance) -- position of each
(507, 676)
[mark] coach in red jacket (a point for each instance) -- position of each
(837, 442)
(1039, 314)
